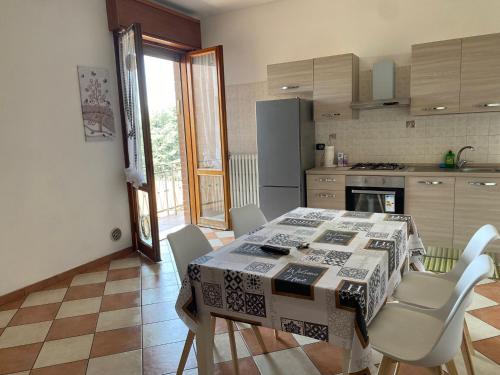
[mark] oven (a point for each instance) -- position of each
(375, 194)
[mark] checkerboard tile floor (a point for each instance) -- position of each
(120, 319)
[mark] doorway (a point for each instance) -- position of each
(168, 143)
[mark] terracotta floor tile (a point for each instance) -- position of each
(327, 358)
(59, 284)
(123, 273)
(221, 326)
(490, 315)
(116, 341)
(70, 327)
(35, 314)
(159, 280)
(246, 365)
(490, 348)
(491, 291)
(285, 340)
(12, 305)
(19, 358)
(226, 241)
(99, 268)
(73, 368)
(120, 301)
(164, 359)
(157, 295)
(405, 369)
(84, 291)
(125, 263)
(158, 312)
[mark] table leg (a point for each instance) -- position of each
(346, 358)
(205, 345)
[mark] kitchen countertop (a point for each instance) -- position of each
(421, 170)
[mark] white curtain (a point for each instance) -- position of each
(136, 171)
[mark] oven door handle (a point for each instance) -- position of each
(377, 192)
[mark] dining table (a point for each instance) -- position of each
(342, 267)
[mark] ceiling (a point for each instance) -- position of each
(204, 8)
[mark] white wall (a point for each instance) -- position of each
(59, 196)
(290, 30)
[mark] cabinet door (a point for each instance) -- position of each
(477, 202)
(430, 201)
(435, 77)
(290, 77)
(480, 90)
(331, 199)
(335, 86)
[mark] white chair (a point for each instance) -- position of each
(430, 290)
(187, 244)
(426, 337)
(246, 219)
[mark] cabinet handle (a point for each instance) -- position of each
(436, 108)
(326, 179)
(324, 195)
(478, 183)
(430, 182)
(290, 87)
(330, 115)
(488, 105)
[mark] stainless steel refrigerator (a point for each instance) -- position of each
(285, 142)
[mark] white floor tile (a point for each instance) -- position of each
(6, 316)
(44, 297)
(480, 330)
(479, 301)
(24, 335)
(127, 363)
(119, 319)
(222, 349)
(89, 278)
(286, 362)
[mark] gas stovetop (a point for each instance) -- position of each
(378, 166)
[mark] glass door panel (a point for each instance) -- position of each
(207, 135)
(137, 141)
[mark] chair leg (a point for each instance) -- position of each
(437, 370)
(232, 344)
(396, 372)
(259, 338)
(387, 366)
(467, 357)
(185, 352)
(468, 339)
(276, 332)
(451, 367)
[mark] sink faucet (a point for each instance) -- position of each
(460, 163)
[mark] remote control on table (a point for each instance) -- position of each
(275, 249)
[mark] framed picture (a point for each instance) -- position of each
(97, 110)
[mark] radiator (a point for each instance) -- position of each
(244, 179)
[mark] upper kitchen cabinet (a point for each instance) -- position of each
(335, 87)
(480, 90)
(435, 77)
(290, 77)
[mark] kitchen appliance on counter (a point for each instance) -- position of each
(375, 194)
(285, 143)
(378, 166)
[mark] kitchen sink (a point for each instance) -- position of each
(480, 170)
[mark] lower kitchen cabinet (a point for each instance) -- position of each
(477, 202)
(430, 201)
(333, 199)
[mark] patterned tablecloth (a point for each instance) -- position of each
(329, 291)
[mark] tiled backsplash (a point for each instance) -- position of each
(378, 135)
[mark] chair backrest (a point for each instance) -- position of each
(477, 245)
(188, 244)
(452, 313)
(246, 218)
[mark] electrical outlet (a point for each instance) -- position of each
(410, 124)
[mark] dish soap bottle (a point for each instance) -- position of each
(449, 160)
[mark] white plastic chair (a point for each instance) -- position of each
(188, 244)
(430, 290)
(426, 337)
(245, 219)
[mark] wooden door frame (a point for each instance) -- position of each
(190, 127)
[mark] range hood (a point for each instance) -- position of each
(383, 84)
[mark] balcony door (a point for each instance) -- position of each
(137, 141)
(207, 136)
